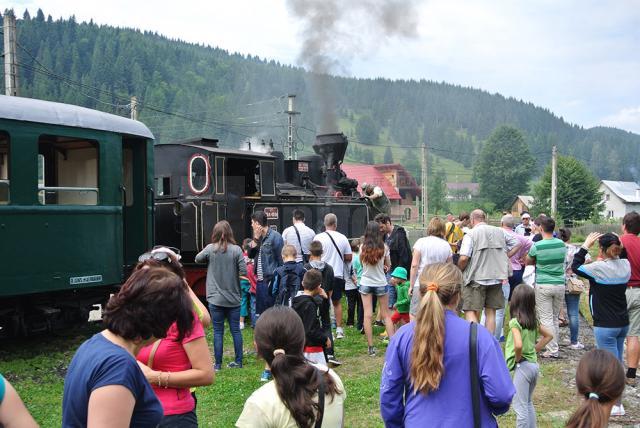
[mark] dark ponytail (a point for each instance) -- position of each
(610, 245)
(600, 380)
(280, 338)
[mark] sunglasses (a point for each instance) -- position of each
(159, 256)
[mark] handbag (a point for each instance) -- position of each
(529, 275)
(575, 285)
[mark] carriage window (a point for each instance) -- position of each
(4, 168)
(219, 175)
(127, 174)
(163, 186)
(267, 178)
(198, 174)
(67, 171)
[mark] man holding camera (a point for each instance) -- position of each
(524, 228)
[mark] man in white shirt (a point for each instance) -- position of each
(335, 251)
(521, 229)
(300, 236)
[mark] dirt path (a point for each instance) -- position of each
(566, 368)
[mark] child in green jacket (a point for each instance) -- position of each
(399, 280)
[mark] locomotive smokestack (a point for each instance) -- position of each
(332, 148)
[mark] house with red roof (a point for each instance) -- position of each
(396, 182)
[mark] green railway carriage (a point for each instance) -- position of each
(76, 209)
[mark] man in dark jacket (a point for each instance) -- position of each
(399, 249)
(266, 250)
(307, 306)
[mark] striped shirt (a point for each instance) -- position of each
(549, 255)
(259, 272)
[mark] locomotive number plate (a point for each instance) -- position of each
(303, 167)
(271, 213)
(76, 280)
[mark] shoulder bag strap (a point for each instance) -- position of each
(475, 377)
(334, 244)
(321, 392)
(299, 240)
(152, 354)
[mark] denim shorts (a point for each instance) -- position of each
(376, 291)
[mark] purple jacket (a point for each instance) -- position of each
(450, 405)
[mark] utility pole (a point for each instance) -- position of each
(10, 66)
(292, 152)
(134, 107)
(423, 181)
(554, 181)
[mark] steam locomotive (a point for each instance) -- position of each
(198, 183)
(77, 191)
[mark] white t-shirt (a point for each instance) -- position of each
(432, 250)
(373, 275)
(306, 237)
(264, 409)
(348, 278)
(329, 253)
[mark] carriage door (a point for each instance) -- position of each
(135, 225)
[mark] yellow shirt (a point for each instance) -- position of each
(264, 409)
(453, 234)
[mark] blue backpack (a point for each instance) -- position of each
(285, 284)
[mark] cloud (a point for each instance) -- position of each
(627, 119)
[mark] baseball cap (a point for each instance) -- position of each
(526, 215)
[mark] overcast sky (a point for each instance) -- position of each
(578, 58)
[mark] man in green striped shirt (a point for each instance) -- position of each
(548, 257)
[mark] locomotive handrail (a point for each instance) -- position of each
(70, 189)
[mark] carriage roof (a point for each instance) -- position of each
(39, 111)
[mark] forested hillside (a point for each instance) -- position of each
(189, 90)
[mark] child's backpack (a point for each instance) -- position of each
(285, 286)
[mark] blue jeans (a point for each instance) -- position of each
(573, 312)
(218, 315)
(252, 308)
(263, 299)
(391, 291)
(514, 280)
(393, 295)
(611, 339)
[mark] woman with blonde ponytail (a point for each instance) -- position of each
(426, 377)
(608, 278)
(600, 382)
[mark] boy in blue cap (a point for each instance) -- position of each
(399, 280)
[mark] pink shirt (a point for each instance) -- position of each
(525, 245)
(171, 357)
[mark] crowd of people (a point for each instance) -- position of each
(442, 303)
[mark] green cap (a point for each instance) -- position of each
(400, 272)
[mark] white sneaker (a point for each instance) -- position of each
(617, 410)
(577, 345)
(339, 333)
